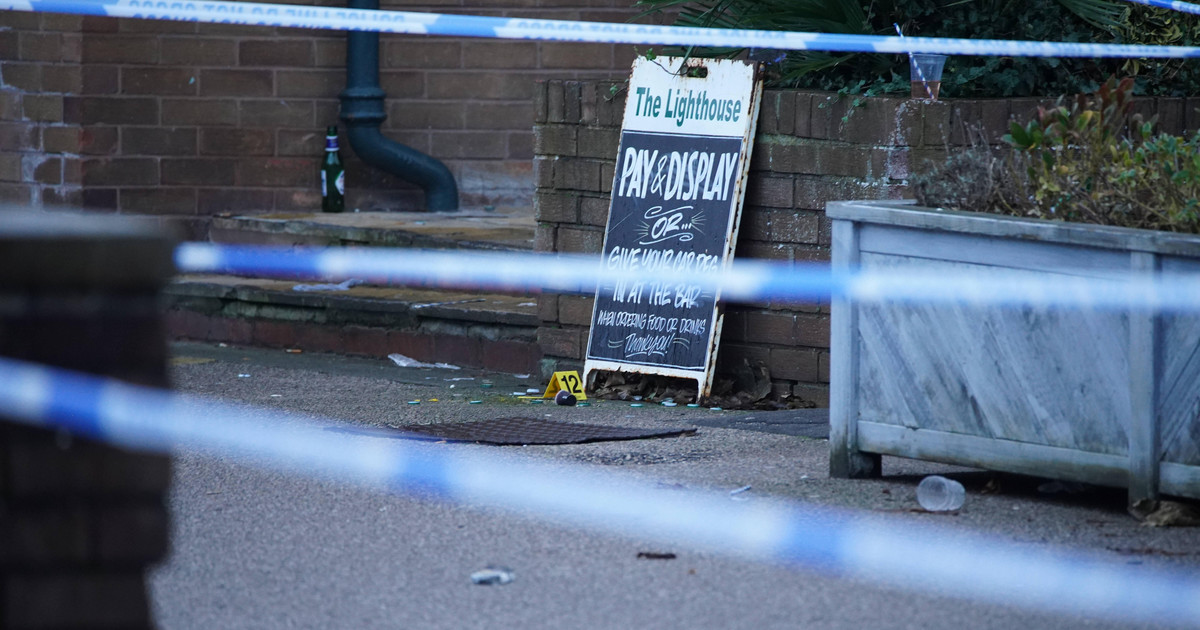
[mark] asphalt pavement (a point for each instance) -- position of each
(256, 548)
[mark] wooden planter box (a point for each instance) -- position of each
(1103, 397)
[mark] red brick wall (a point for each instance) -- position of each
(39, 69)
(190, 120)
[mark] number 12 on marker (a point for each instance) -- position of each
(568, 381)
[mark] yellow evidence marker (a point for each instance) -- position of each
(569, 381)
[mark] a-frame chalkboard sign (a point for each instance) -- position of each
(676, 203)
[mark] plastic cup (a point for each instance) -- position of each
(939, 494)
(926, 74)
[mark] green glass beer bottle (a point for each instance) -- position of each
(333, 176)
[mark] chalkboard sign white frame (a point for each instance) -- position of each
(677, 195)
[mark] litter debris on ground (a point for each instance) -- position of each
(243, 376)
(739, 494)
(655, 555)
(750, 388)
(341, 286)
(492, 575)
(939, 494)
(1165, 513)
(403, 361)
(565, 398)
(190, 360)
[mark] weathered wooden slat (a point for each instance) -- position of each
(1179, 393)
(1045, 376)
(845, 460)
(992, 251)
(1004, 455)
(1179, 415)
(1179, 480)
(1145, 367)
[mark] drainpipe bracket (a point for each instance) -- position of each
(363, 93)
(363, 106)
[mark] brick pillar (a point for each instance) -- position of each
(80, 522)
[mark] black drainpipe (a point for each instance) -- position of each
(363, 112)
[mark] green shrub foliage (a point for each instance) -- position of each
(1093, 162)
(1111, 21)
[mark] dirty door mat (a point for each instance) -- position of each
(521, 431)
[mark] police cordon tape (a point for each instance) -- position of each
(740, 281)
(823, 540)
(407, 22)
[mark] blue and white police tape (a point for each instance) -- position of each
(838, 543)
(307, 16)
(1175, 5)
(742, 281)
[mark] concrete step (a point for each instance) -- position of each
(477, 229)
(495, 332)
